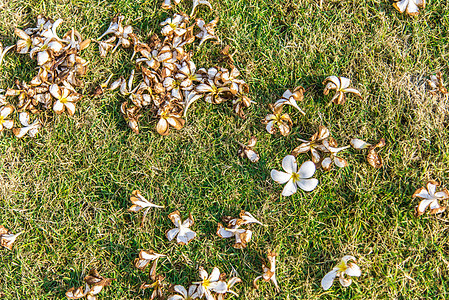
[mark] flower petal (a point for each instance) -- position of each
(353, 270)
(289, 164)
(328, 279)
(307, 169)
(307, 184)
(289, 189)
(280, 177)
(172, 233)
(215, 275)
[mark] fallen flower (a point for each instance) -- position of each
(7, 239)
(139, 202)
(290, 98)
(346, 267)
(5, 111)
(94, 284)
(168, 3)
(231, 282)
(66, 98)
(295, 178)
(245, 218)
(31, 129)
(341, 86)
(430, 198)
(145, 257)
(242, 236)
(435, 83)
(314, 145)
(158, 287)
(269, 273)
(326, 164)
(411, 7)
(210, 284)
(207, 30)
(373, 158)
(182, 231)
(247, 150)
(277, 120)
(192, 293)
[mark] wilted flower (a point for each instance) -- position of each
(230, 283)
(31, 129)
(94, 284)
(247, 150)
(191, 294)
(5, 111)
(207, 30)
(331, 146)
(24, 44)
(7, 239)
(435, 83)
(295, 178)
(132, 115)
(245, 218)
(198, 2)
(277, 120)
(145, 257)
(314, 145)
(411, 7)
(346, 267)
(290, 98)
(4, 51)
(430, 198)
(167, 118)
(373, 157)
(139, 202)
(210, 284)
(269, 273)
(175, 25)
(182, 231)
(158, 287)
(242, 236)
(341, 86)
(66, 98)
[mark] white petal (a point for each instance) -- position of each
(218, 287)
(345, 281)
(172, 233)
(359, 144)
(290, 165)
(307, 184)
(353, 270)
(58, 107)
(289, 189)
(326, 163)
(180, 290)
(307, 169)
(280, 177)
(215, 275)
(328, 279)
(423, 205)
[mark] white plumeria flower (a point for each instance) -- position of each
(430, 198)
(242, 236)
(339, 162)
(182, 231)
(191, 294)
(31, 129)
(24, 43)
(5, 111)
(4, 51)
(269, 273)
(140, 202)
(198, 2)
(145, 257)
(345, 267)
(411, 7)
(289, 98)
(207, 30)
(295, 178)
(65, 99)
(341, 86)
(7, 239)
(210, 284)
(173, 25)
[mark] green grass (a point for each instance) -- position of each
(69, 188)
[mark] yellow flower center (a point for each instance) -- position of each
(173, 26)
(342, 267)
(2, 120)
(63, 100)
(206, 283)
(295, 177)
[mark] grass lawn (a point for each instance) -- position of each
(69, 187)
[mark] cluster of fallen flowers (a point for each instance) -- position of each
(169, 80)
(53, 87)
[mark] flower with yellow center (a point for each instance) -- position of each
(295, 178)
(65, 99)
(210, 284)
(5, 111)
(346, 267)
